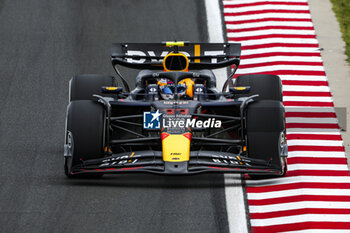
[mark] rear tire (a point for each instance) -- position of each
(85, 132)
(84, 86)
(269, 87)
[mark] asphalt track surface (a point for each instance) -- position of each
(44, 43)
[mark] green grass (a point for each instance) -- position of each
(342, 12)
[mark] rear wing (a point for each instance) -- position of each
(200, 55)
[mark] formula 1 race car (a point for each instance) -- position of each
(175, 121)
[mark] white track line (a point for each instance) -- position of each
(318, 120)
(279, 49)
(308, 109)
(305, 88)
(271, 31)
(328, 130)
(267, 15)
(279, 67)
(277, 40)
(265, 7)
(298, 179)
(303, 77)
(307, 98)
(302, 218)
(299, 191)
(269, 23)
(316, 133)
(280, 58)
(298, 142)
(320, 167)
(235, 204)
(252, 1)
(316, 154)
(299, 205)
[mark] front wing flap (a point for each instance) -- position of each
(200, 162)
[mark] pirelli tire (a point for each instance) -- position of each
(267, 86)
(84, 86)
(85, 134)
(265, 129)
(265, 121)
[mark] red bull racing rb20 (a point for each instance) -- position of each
(175, 121)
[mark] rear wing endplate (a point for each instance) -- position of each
(200, 55)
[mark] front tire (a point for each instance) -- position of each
(85, 133)
(264, 129)
(265, 121)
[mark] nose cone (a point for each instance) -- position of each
(176, 147)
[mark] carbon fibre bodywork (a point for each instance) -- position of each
(129, 146)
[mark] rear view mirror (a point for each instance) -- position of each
(239, 90)
(111, 90)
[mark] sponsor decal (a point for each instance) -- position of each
(69, 146)
(227, 159)
(118, 160)
(162, 54)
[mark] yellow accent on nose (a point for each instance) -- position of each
(176, 148)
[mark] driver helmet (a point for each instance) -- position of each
(168, 89)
